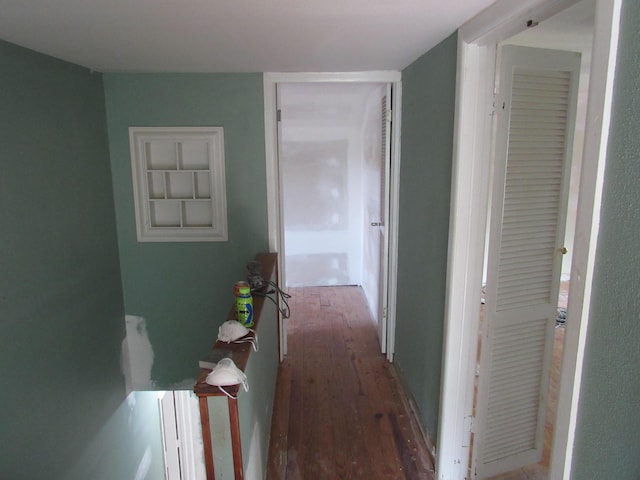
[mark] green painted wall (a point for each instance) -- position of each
(428, 92)
(184, 290)
(61, 306)
(608, 429)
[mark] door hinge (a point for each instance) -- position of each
(498, 104)
(278, 115)
(468, 423)
(493, 103)
(384, 313)
(467, 427)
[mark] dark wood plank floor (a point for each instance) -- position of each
(340, 412)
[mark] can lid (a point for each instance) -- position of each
(241, 288)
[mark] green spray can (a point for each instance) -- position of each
(244, 304)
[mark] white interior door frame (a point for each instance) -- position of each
(274, 200)
(477, 41)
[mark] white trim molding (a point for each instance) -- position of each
(605, 47)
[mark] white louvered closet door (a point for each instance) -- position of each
(385, 164)
(534, 136)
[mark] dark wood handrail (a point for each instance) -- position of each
(240, 351)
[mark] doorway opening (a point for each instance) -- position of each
(528, 215)
(331, 165)
(479, 40)
(330, 160)
(333, 159)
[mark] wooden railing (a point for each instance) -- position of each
(260, 368)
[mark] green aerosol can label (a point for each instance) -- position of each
(244, 304)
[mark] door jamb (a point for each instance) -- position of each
(477, 41)
(274, 200)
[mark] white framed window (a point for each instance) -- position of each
(179, 183)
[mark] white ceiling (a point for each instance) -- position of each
(234, 35)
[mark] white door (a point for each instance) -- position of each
(383, 220)
(534, 135)
(379, 222)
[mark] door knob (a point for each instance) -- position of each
(564, 250)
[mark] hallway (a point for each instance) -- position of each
(340, 412)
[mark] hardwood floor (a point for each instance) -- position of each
(340, 412)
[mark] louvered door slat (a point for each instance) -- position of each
(514, 416)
